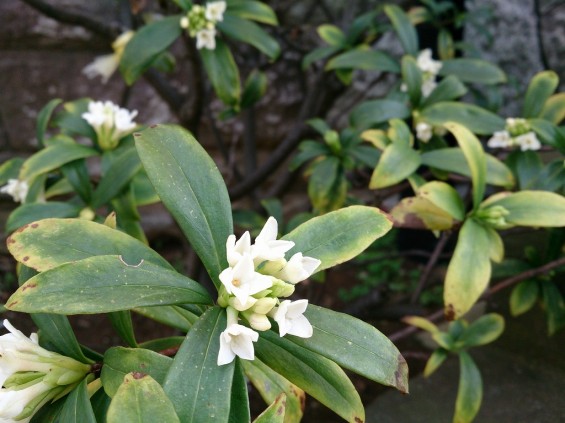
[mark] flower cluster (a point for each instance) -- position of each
(257, 278)
(110, 122)
(517, 132)
(105, 66)
(200, 23)
(430, 68)
(17, 189)
(31, 376)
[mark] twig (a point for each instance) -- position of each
(430, 265)
(539, 32)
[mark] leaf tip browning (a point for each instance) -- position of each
(401, 375)
(449, 312)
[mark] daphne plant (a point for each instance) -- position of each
(253, 330)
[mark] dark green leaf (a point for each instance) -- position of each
(10, 169)
(332, 35)
(356, 346)
(119, 361)
(28, 213)
(554, 306)
(192, 188)
(200, 389)
(223, 73)
(364, 59)
(52, 242)
(249, 32)
(76, 172)
(146, 46)
(174, 316)
(412, 77)
(327, 187)
(84, 287)
(239, 405)
(448, 89)
(318, 376)
(484, 330)
(478, 120)
(254, 89)
(254, 10)
(404, 28)
(523, 297)
(56, 331)
(473, 70)
(374, 112)
(43, 118)
(122, 324)
(318, 54)
(77, 408)
(275, 413)
(554, 109)
(397, 162)
(340, 235)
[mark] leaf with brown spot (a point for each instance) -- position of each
(275, 412)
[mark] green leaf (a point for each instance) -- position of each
(255, 87)
(254, 10)
(192, 189)
(421, 323)
(271, 385)
(84, 287)
(418, 213)
(77, 408)
(412, 76)
(318, 54)
(200, 389)
(404, 28)
(160, 344)
(469, 270)
(473, 70)
(526, 165)
(70, 119)
(318, 376)
(476, 159)
(397, 162)
(541, 87)
(52, 242)
(482, 331)
(141, 399)
(554, 306)
(249, 32)
(445, 45)
(146, 46)
(327, 187)
(223, 73)
(523, 297)
(445, 197)
(76, 173)
(53, 157)
(100, 403)
(364, 59)
(239, 403)
(174, 316)
(340, 235)
(496, 251)
(554, 109)
(118, 175)
(356, 346)
(470, 391)
(143, 190)
(549, 133)
(56, 333)
(332, 35)
(453, 160)
(119, 361)
(43, 118)
(10, 169)
(435, 360)
(28, 213)
(449, 88)
(531, 208)
(275, 413)
(476, 119)
(123, 325)
(375, 112)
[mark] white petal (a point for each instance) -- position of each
(225, 355)
(296, 308)
(301, 327)
(269, 231)
(103, 66)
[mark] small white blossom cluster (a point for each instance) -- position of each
(17, 189)
(257, 278)
(105, 66)
(430, 68)
(200, 22)
(31, 376)
(425, 131)
(110, 122)
(517, 133)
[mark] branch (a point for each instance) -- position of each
(430, 265)
(104, 29)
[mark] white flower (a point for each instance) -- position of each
(236, 340)
(106, 65)
(206, 38)
(110, 122)
(290, 318)
(424, 131)
(13, 402)
(528, 141)
(17, 189)
(427, 64)
(215, 11)
(500, 139)
(184, 22)
(266, 246)
(428, 85)
(24, 393)
(236, 250)
(298, 268)
(242, 280)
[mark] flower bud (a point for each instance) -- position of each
(281, 289)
